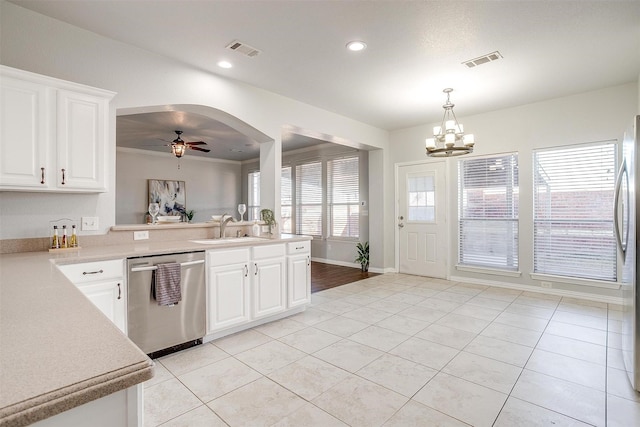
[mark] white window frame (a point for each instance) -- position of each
(586, 218)
(352, 204)
(505, 214)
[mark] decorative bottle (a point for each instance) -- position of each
(55, 242)
(255, 229)
(63, 243)
(73, 242)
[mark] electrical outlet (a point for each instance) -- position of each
(89, 223)
(548, 285)
(141, 235)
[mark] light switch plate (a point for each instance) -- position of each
(141, 235)
(89, 223)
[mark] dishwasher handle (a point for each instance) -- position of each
(153, 267)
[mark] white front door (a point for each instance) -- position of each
(421, 220)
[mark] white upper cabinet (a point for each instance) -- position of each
(25, 133)
(53, 134)
(81, 133)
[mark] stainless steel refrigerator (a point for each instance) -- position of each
(626, 218)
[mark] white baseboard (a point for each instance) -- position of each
(559, 292)
(354, 265)
(335, 262)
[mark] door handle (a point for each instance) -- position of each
(41, 175)
(64, 178)
(119, 291)
(246, 270)
(256, 272)
(622, 241)
(400, 225)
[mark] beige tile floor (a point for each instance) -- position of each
(398, 350)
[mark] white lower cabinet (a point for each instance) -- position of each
(269, 280)
(249, 286)
(102, 282)
(227, 288)
(298, 273)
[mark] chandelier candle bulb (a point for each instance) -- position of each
(430, 143)
(468, 140)
(450, 125)
(437, 130)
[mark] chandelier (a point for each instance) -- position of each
(449, 135)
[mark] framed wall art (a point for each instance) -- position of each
(170, 195)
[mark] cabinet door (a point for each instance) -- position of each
(228, 296)
(109, 297)
(269, 292)
(299, 280)
(81, 140)
(25, 134)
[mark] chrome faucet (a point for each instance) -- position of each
(223, 224)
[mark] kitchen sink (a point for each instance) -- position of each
(229, 240)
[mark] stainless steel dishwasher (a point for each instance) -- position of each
(157, 329)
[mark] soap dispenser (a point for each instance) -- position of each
(255, 229)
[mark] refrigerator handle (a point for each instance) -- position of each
(622, 173)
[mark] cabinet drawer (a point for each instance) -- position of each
(268, 251)
(93, 271)
(227, 256)
(298, 247)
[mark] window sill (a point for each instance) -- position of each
(486, 270)
(575, 281)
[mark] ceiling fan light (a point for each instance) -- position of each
(178, 150)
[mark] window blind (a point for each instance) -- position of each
(573, 211)
(488, 212)
(253, 202)
(344, 197)
(285, 200)
(309, 199)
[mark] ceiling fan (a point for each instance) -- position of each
(178, 146)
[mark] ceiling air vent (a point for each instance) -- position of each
(243, 48)
(493, 56)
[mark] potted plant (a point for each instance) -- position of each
(363, 256)
(190, 215)
(269, 219)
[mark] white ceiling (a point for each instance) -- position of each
(415, 48)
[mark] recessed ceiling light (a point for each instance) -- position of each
(356, 45)
(225, 64)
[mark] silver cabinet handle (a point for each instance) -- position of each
(41, 175)
(119, 291)
(308, 260)
(84, 273)
(246, 270)
(256, 272)
(153, 267)
(64, 178)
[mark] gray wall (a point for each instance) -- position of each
(213, 186)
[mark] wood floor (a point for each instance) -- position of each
(325, 276)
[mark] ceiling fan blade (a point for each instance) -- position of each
(199, 149)
(196, 143)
